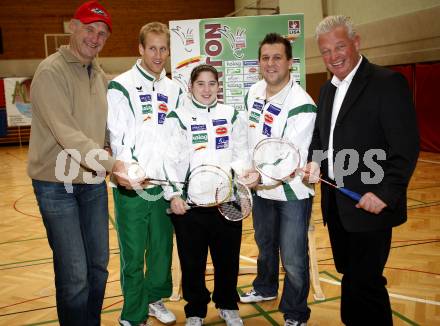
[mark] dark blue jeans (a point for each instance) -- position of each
(77, 230)
(281, 230)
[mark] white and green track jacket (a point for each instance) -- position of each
(290, 114)
(200, 134)
(138, 105)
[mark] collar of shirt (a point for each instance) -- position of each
(279, 97)
(68, 55)
(147, 75)
(336, 81)
(199, 105)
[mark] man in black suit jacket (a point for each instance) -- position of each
(366, 137)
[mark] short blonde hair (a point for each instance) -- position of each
(329, 23)
(153, 27)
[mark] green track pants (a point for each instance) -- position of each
(145, 234)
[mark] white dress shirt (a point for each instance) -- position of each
(341, 91)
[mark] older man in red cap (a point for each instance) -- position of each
(67, 164)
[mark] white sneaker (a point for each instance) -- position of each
(254, 296)
(123, 322)
(157, 309)
(194, 321)
(231, 317)
(291, 322)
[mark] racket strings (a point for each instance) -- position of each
(208, 186)
(276, 158)
(240, 204)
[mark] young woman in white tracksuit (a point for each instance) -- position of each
(204, 131)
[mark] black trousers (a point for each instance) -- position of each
(361, 258)
(196, 231)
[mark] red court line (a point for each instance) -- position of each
(21, 212)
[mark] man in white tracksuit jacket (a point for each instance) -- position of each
(278, 107)
(139, 101)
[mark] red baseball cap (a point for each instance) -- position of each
(92, 11)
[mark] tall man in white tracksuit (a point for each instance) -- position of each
(278, 107)
(139, 101)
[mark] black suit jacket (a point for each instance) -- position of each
(377, 113)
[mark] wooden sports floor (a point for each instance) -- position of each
(26, 274)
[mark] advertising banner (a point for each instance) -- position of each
(231, 46)
(18, 106)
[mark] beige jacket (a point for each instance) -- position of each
(69, 113)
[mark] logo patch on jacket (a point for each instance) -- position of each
(162, 98)
(267, 130)
(161, 117)
(221, 130)
(198, 127)
(147, 109)
(200, 138)
(268, 118)
(218, 122)
(163, 107)
(254, 116)
(145, 98)
(221, 142)
(273, 109)
(258, 106)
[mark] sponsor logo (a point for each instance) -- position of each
(294, 27)
(185, 36)
(162, 98)
(222, 142)
(234, 71)
(258, 106)
(221, 130)
(147, 117)
(250, 62)
(139, 89)
(234, 85)
(253, 69)
(268, 118)
(231, 64)
(98, 12)
(252, 125)
(234, 78)
(163, 107)
(218, 122)
(145, 98)
(273, 109)
(147, 109)
(198, 127)
(267, 130)
(200, 138)
(199, 148)
(236, 40)
(255, 117)
(161, 117)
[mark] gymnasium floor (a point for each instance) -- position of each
(26, 275)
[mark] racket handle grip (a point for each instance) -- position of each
(353, 195)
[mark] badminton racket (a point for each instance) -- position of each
(280, 160)
(239, 206)
(207, 186)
